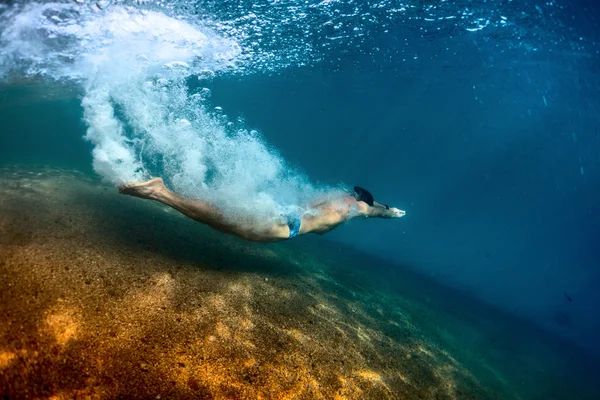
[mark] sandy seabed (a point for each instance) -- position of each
(107, 296)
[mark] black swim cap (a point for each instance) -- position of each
(361, 194)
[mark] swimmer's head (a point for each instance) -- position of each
(361, 194)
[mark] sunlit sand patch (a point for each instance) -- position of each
(402, 319)
(246, 324)
(394, 323)
(373, 378)
(445, 375)
(185, 361)
(423, 350)
(63, 324)
(449, 357)
(296, 334)
(6, 357)
(154, 295)
(343, 332)
(362, 335)
(332, 315)
(320, 275)
(317, 279)
(369, 376)
(352, 390)
(305, 383)
(222, 330)
(248, 344)
(217, 301)
(348, 390)
(327, 308)
(241, 289)
(284, 294)
(276, 378)
(403, 377)
(141, 304)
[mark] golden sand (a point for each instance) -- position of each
(106, 296)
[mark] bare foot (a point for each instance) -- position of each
(145, 190)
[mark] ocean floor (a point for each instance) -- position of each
(108, 296)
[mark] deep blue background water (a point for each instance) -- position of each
(493, 152)
(489, 143)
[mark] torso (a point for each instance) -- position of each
(325, 217)
(329, 215)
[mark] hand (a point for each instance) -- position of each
(396, 213)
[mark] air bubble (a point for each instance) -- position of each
(205, 75)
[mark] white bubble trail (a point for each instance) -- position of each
(132, 66)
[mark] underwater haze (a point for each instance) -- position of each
(479, 118)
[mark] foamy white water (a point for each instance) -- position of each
(132, 66)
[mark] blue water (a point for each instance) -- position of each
(478, 118)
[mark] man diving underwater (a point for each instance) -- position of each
(324, 216)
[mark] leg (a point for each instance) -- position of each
(200, 211)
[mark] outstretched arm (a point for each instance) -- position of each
(382, 211)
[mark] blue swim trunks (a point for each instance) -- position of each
(294, 224)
